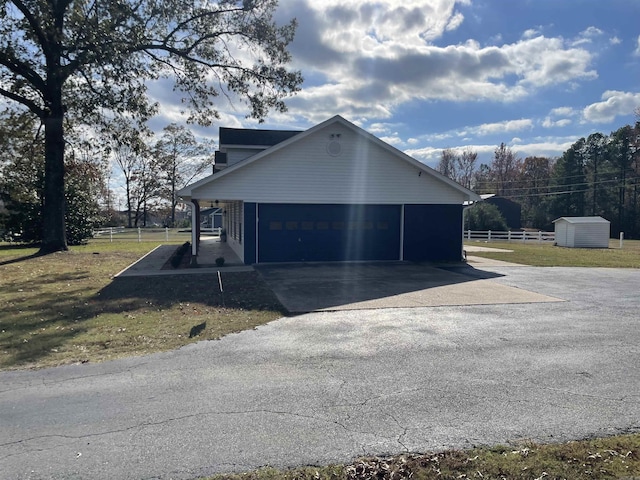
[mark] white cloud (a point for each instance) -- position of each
(431, 155)
(454, 22)
(553, 147)
(636, 52)
(498, 127)
(530, 33)
(562, 112)
(587, 36)
(393, 140)
(615, 40)
(544, 61)
(549, 123)
(537, 147)
(614, 103)
(591, 32)
(377, 56)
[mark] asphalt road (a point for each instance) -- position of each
(328, 386)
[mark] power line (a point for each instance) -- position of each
(564, 185)
(562, 192)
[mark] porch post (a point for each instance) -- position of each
(195, 230)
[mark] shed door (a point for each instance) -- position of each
(316, 233)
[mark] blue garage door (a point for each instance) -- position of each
(316, 233)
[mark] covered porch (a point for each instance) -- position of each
(227, 241)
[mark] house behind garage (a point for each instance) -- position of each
(331, 193)
(582, 232)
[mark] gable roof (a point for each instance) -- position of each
(185, 192)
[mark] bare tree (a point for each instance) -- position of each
(181, 159)
(448, 164)
(466, 167)
(458, 167)
(505, 169)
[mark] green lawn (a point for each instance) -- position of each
(68, 308)
(546, 255)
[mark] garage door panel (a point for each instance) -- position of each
(294, 233)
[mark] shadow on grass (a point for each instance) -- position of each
(242, 290)
(47, 315)
(20, 259)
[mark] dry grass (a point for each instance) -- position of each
(546, 255)
(67, 307)
(607, 458)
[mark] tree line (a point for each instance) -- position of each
(597, 175)
(152, 168)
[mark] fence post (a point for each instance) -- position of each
(139, 235)
(489, 236)
(539, 236)
(166, 233)
(509, 236)
(524, 236)
(469, 234)
(111, 234)
(621, 239)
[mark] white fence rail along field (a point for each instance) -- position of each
(115, 234)
(489, 236)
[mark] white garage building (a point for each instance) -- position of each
(582, 232)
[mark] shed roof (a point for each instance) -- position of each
(582, 220)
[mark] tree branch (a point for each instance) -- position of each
(30, 104)
(23, 70)
(35, 26)
(199, 16)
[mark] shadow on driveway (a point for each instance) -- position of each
(350, 286)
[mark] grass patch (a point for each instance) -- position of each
(67, 307)
(607, 458)
(545, 255)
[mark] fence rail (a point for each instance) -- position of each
(497, 236)
(113, 234)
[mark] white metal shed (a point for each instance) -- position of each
(582, 232)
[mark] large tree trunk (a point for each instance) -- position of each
(54, 234)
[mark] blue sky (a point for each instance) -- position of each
(425, 75)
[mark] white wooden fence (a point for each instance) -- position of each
(497, 236)
(140, 234)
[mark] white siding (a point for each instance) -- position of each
(304, 172)
(582, 232)
(235, 155)
(591, 235)
(561, 234)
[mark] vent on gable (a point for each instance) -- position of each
(333, 147)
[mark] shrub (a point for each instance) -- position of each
(182, 250)
(484, 216)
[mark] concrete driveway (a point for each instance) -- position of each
(328, 386)
(311, 287)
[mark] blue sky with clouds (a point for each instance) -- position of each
(425, 75)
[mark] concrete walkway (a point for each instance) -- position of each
(210, 248)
